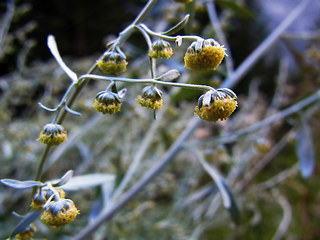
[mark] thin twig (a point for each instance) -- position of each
(220, 34)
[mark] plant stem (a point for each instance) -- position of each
(151, 81)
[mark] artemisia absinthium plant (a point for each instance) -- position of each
(216, 104)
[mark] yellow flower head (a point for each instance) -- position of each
(151, 98)
(204, 55)
(215, 105)
(53, 134)
(113, 63)
(40, 199)
(59, 213)
(27, 233)
(161, 49)
(107, 102)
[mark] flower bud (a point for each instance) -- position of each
(107, 102)
(59, 213)
(215, 105)
(161, 49)
(151, 98)
(27, 233)
(38, 201)
(53, 134)
(112, 63)
(204, 55)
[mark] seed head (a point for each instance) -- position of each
(161, 49)
(215, 105)
(113, 63)
(53, 134)
(107, 102)
(204, 55)
(151, 98)
(59, 213)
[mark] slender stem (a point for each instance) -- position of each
(144, 12)
(220, 34)
(151, 81)
(169, 38)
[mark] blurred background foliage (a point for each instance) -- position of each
(261, 167)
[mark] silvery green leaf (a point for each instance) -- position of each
(305, 150)
(233, 209)
(169, 76)
(88, 181)
(25, 222)
(225, 192)
(71, 111)
(178, 26)
(46, 108)
(64, 179)
(21, 184)
(51, 42)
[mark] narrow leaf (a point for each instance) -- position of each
(169, 76)
(64, 179)
(25, 222)
(51, 42)
(20, 184)
(178, 26)
(305, 150)
(225, 192)
(88, 181)
(46, 108)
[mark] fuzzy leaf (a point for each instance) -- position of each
(238, 9)
(88, 181)
(225, 192)
(169, 76)
(305, 150)
(51, 42)
(178, 26)
(233, 209)
(64, 179)
(20, 184)
(25, 222)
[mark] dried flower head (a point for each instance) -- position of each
(107, 102)
(53, 134)
(151, 98)
(113, 63)
(161, 49)
(59, 213)
(215, 105)
(204, 55)
(27, 233)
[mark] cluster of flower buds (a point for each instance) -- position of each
(216, 105)
(57, 210)
(113, 63)
(53, 134)
(151, 98)
(204, 55)
(160, 49)
(107, 102)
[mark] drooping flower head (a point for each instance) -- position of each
(216, 105)
(113, 63)
(59, 213)
(107, 102)
(161, 49)
(151, 98)
(204, 55)
(53, 134)
(41, 198)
